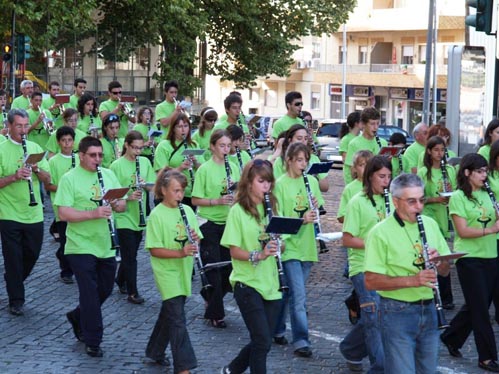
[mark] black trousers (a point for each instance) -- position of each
(95, 278)
(171, 328)
(127, 270)
(478, 278)
(63, 261)
(21, 246)
(260, 318)
(212, 251)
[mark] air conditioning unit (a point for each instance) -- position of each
(301, 64)
(309, 63)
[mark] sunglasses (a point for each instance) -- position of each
(116, 92)
(111, 118)
(298, 104)
(94, 154)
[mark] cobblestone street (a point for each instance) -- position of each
(42, 340)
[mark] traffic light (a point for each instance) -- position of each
(27, 47)
(7, 52)
(20, 48)
(482, 20)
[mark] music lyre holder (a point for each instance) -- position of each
(32, 159)
(284, 225)
(155, 133)
(391, 151)
(319, 168)
(192, 152)
(62, 98)
(114, 193)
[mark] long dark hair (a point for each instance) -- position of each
(209, 114)
(494, 153)
(427, 161)
(287, 139)
(86, 97)
(352, 119)
(294, 150)
(171, 129)
(470, 162)
(253, 169)
(373, 165)
(494, 124)
(129, 138)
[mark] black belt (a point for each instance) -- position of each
(417, 302)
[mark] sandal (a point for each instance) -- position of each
(218, 323)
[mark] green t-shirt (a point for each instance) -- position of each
(361, 216)
(360, 143)
(20, 102)
(53, 146)
(279, 169)
(432, 188)
(125, 172)
(203, 142)
(84, 124)
(245, 158)
(411, 155)
(55, 114)
(111, 150)
(292, 201)
(242, 230)
(73, 102)
(108, 106)
(284, 123)
(396, 161)
(144, 130)
(211, 183)
(421, 157)
(389, 252)
(164, 110)
(493, 178)
(164, 156)
(485, 151)
(344, 142)
(38, 135)
(350, 190)
(14, 198)
(166, 229)
(480, 214)
(224, 123)
(78, 189)
(59, 165)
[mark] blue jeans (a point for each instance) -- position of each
(365, 337)
(296, 273)
(410, 337)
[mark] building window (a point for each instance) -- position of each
(407, 54)
(422, 54)
(315, 100)
(270, 99)
(316, 50)
(382, 4)
(340, 54)
(362, 54)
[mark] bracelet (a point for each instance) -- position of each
(254, 257)
(483, 231)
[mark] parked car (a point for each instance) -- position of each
(329, 141)
(385, 131)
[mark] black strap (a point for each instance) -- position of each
(176, 149)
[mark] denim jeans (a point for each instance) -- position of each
(410, 337)
(365, 337)
(296, 273)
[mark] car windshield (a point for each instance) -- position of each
(332, 130)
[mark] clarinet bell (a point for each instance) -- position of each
(442, 322)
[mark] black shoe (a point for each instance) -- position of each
(16, 310)
(304, 352)
(75, 324)
(448, 306)
(490, 366)
(122, 288)
(453, 351)
(280, 340)
(135, 299)
(67, 280)
(218, 323)
(159, 361)
(94, 351)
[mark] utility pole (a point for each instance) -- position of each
(427, 75)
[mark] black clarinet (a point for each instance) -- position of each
(197, 257)
(401, 164)
(151, 147)
(110, 221)
(187, 158)
(387, 201)
(491, 195)
(442, 323)
(280, 271)
(317, 224)
(138, 186)
(239, 159)
(73, 160)
(378, 141)
(32, 200)
(445, 184)
(227, 173)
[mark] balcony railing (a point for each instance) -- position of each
(380, 68)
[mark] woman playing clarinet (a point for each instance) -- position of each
(254, 275)
(295, 199)
(202, 135)
(131, 223)
(213, 196)
(476, 225)
(172, 242)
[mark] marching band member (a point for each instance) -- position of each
(254, 275)
(114, 106)
(88, 247)
(397, 139)
(394, 267)
(476, 225)
(301, 249)
(89, 116)
(37, 132)
(169, 153)
(145, 120)
(80, 85)
(60, 164)
(491, 135)
(294, 104)
(49, 104)
(444, 133)
(111, 143)
(413, 152)
(212, 196)
(203, 133)
(70, 119)
(348, 132)
(236, 156)
(23, 101)
(364, 211)
(171, 259)
(126, 169)
(21, 225)
(169, 108)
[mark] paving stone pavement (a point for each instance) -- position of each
(42, 341)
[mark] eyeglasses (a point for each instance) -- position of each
(111, 118)
(412, 201)
(136, 148)
(298, 104)
(116, 92)
(94, 154)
